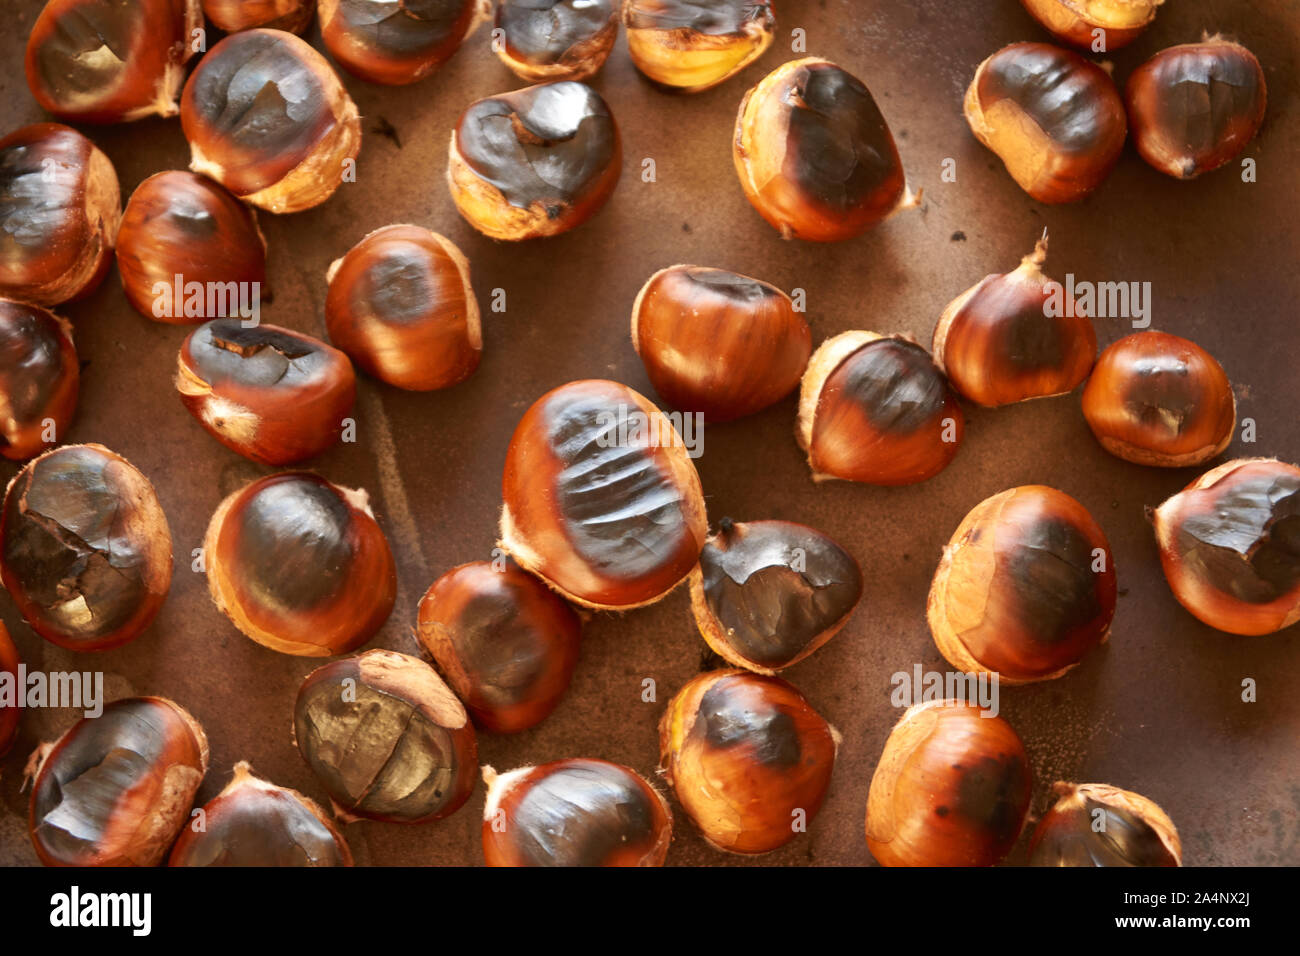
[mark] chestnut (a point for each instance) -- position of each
(116, 789)
(255, 823)
(748, 757)
(1230, 546)
(400, 304)
(1025, 588)
(541, 40)
(574, 813)
(1054, 119)
(39, 376)
(300, 565)
(1083, 22)
(502, 145)
(11, 708)
(1157, 399)
(693, 45)
(84, 548)
(232, 16)
(601, 498)
(1194, 107)
(1095, 824)
(266, 116)
(396, 42)
(952, 788)
(718, 343)
(999, 342)
(876, 409)
(270, 394)
(766, 594)
(60, 207)
(387, 739)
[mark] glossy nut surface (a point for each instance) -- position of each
(232, 16)
(10, 710)
(1094, 824)
(39, 376)
(692, 45)
(544, 40)
(1088, 23)
(396, 42)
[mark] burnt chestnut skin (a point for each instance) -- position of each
(397, 41)
(1093, 824)
(555, 39)
(39, 377)
(231, 16)
(9, 713)
(692, 45)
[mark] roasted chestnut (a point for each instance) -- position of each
(504, 641)
(718, 343)
(39, 376)
(574, 813)
(85, 551)
(543, 40)
(877, 409)
(300, 565)
(232, 16)
(1116, 23)
(267, 117)
(60, 207)
(692, 45)
(535, 162)
(602, 500)
(270, 394)
(1156, 399)
(1095, 824)
(1001, 342)
(1054, 119)
(255, 823)
(766, 594)
(400, 304)
(1194, 107)
(117, 788)
(11, 691)
(1230, 546)
(387, 738)
(951, 789)
(396, 42)
(749, 759)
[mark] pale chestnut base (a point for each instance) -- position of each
(692, 62)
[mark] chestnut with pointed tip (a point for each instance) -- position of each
(543, 40)
(232, 16)
(693, 45)
(1082, 23)
(10, 703)
(1095, 824)
(39, 378)
(396, 42)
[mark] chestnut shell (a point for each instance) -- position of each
(556, 39)
(1094, 824)
(232, 16)
(689, 46)
(396, 42)
(1075, 20)
(39, 378)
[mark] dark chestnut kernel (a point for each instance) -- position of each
(39, 378)
(556, 39)
(1094, 824)
(396, 42)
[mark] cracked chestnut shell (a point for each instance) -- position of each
(386, 738)
(693, 45)
(116, 789)
(1230, 546)
(1054, 119)
(1095, 824)
(85, 551)
(396, 42)
(1075, 21)
(232, 16)
(266, 116)
(748, 757)
(952, 788)
(601, 498)
(574, 812)
(9, 713)
(543, 40)
(1025, 588)
(876, 409)
(534, 162)
(39, 377)
(273, 395)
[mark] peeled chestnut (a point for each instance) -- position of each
(574, 813)
(718, 343)
(1115, 23)
(602, 500)
(749, 759)
(1157, 399)
(692, 45)
(270, 394)
(117, 788)
(544, 40)
(60, 207)
(11, 697)
(300, 565)
(535, 162)
(400, 304)
(396, 42)
(255, 823)
(1054, 119)
(39, 376)
(387, 738)
(877, 409)
(952, 788)
(1095, 824)
(232, 16)
(1230, 546)
(85, 551)
(267, 117)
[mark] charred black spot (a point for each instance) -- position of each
(581, 814)
(733, 719)
(992, 795)
(714, 17)
(398, 287)
(403, 28)
(1056, 88)
(262, 828)
(224, 351)
(540, 32)
(1161, 394)
(31, 362)
(1050, 572)
(895, 383)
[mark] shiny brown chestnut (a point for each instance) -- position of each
(693, 45)
(232, 16)
(84, 548)
(574, 812)
(252, 822)
(396, 42)
(952, 788)
(11, 697)
(1194, 107)
(400, 304)
(1095, 824)
(60, 207)
(543, 40)
(601, 498)
(270, 394)
(504, 641)
(1096, 25)
(1157, 399)
(718, 343)
(748, 757)
(39, 377)
(1054, 119)
(266, 116)
(1230, 546)
(876, 409)
(387, 739)
(117, 788)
